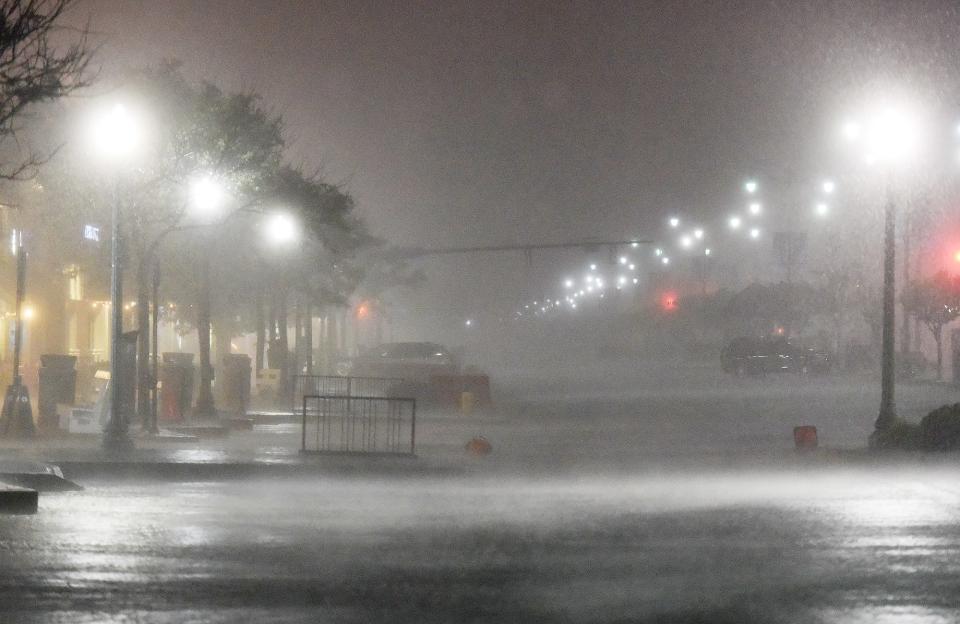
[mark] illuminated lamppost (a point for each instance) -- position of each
(281, 231)
(207, 197)
(888, 138)
(115, 135)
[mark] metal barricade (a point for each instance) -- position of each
(359, 424)
(334, 385)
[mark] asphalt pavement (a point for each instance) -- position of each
(607, 498)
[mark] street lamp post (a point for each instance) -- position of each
(115, 435)
(888, 138)
(207, 198)
(888, 406)
(114, 134)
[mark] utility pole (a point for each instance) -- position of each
(115, 437)
(17, 411)
(888, 408)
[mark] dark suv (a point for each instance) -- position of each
(757, 356)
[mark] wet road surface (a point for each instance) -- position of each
(804, 545)
(650, 495)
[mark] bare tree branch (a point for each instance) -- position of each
(33, 71)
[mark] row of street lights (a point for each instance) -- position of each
(887, 139)
(117, 136)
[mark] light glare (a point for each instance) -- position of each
(281, 229)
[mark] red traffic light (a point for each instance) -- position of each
(668, 301)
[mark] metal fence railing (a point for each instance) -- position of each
(334, 385)
(361, 424)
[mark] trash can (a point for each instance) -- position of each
(234, 383)
(176, 386)
(58, 384)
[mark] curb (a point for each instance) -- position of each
(209, 471)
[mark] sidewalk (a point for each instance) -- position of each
(268, 450)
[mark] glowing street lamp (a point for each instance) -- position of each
(281, 229)
(674, 222)
(698, 234)
(755, 233)
(115, 135)
(750, 186)
(568, 283)
(829, 187)
(821, 209)
(207, 196)
(755, 208)
(735, 222)
(891, 138)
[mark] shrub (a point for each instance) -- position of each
(901, 436)
(940, 429)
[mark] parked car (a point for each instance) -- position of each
(757, 356)
(413, 362)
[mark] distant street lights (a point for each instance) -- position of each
(115, 135)
(888, 138)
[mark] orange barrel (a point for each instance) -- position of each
(805, 437)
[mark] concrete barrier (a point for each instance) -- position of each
(17, 500)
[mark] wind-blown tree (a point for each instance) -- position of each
(936, 303)
(323, 270)
(202, 131)
(197, 129)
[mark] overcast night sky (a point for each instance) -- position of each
(487, 122)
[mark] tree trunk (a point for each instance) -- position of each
(333, 333)
(905, 346)
(143, 343)
(155, 354)
(938, 336)
(308, 337)
(222, 337)
(261, 329)
(205, 404)
(297, 335)
(272, 354)
(283, 345)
